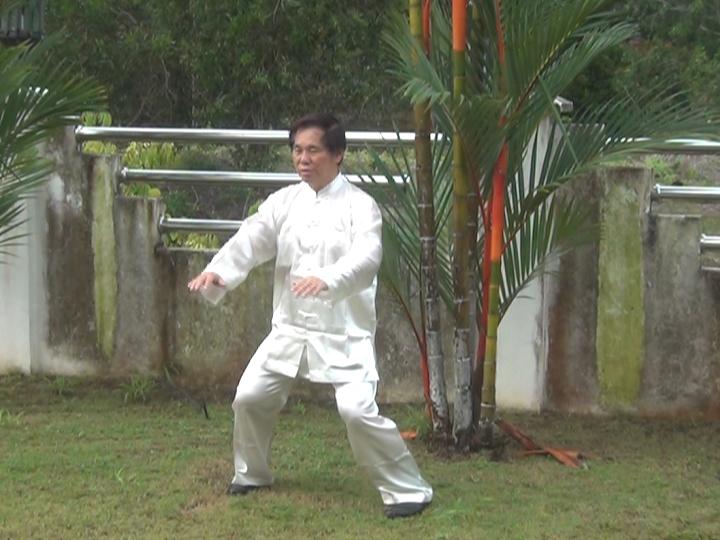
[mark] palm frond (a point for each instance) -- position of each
(555, 227)
(37, 96)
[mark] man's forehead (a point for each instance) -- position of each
(310, 136)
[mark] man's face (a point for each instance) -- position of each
(315, 164)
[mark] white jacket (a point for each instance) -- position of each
(335, 235)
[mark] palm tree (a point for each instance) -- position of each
(519, 56)
(38, 97)
(431, 346)
(462, 426)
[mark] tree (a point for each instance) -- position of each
(38, 97)
(252, 64)
(431, 346)
(676, 45)
(520, 56)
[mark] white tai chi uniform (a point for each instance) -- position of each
(334, 235)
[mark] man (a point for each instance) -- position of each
(325, 235)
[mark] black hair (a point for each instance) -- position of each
(333, 133)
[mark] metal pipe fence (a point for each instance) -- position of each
(198, 225)
(694, 193)
(354, 138)
(246, 179)
(229, 136)
(709, 243)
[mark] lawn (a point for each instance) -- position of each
(86, 460)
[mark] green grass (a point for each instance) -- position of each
(87, 463)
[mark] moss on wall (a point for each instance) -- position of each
(104, 262)
(620, 311)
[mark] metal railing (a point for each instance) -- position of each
(701, 194)
(709, 243)
(686, 146)
(198, 225)
(248, 179)
(694, 193)
(242, 178)
(229, 136)
(354, 138)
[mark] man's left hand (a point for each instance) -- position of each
(308, 286)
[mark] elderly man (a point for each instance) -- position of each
(325, 235)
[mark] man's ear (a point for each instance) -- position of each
(339, 157)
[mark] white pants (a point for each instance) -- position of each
(375, 440)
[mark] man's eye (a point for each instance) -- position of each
(312, 150)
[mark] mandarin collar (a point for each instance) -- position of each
(331, 188)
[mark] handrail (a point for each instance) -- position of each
(701, 193)
(249, 179)
(687, 146)
(198, 225)
(354, 138)
(229, 136)
(708, 242)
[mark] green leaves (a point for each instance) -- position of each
(38, 97)
(225, 63)
(549, 44)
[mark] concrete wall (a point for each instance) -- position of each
(212, 344)
(628, 322)
(45, 321)
(522, 335)
(681, 370)
(634, 321)
(15, 318)
(94, 291)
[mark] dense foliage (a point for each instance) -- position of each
(259, 63)
(231, 63)
(676, 47)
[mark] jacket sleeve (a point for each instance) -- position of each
(253, 244)
(357, 269)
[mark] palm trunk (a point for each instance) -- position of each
(482, 317)
(488, 404)
(462, 425)
(420, 28)
(474, 203)
(497, 221)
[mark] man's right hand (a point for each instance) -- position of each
(204, 280)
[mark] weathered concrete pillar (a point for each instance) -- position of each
(104, 184)
(596, 319)
(682, 312)
(571, 306)
(620, 344)
(68, 337)
(141, 338)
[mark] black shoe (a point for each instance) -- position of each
(404, 509)
(239, 489)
